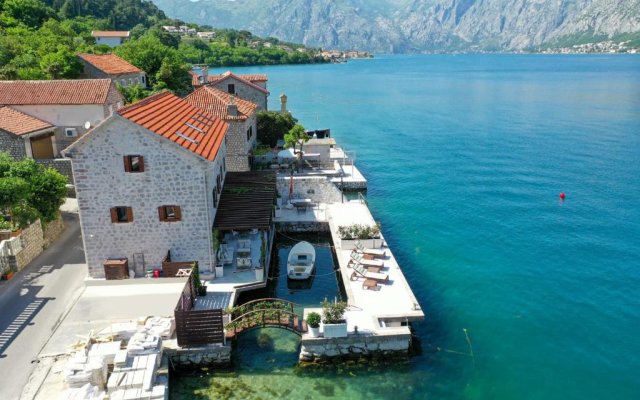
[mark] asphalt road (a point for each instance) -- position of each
(34, 302)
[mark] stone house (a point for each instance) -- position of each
(23, 136)
(110, 66)
(148, 181)
(251, 87)
(240, 115)
(110, 38)
(71, 106)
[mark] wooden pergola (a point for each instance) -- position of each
(247, 201)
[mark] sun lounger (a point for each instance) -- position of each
(372, 252)
(359, 271)
(359, 259)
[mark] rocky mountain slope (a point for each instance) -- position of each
(418, 25)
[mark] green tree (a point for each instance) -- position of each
(44, 192)
(32, 13)
(273, 125)
(133, 93)
(297, 136)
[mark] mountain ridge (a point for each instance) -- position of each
(408, 26)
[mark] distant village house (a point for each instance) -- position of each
(251, 87)
(110, 38)
(111, 66)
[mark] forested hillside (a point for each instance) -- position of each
(40, 40)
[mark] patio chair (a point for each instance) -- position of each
(360, 272)
(372, 252)
(225, 254)
(358, 258)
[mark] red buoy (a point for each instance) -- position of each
(562, 196)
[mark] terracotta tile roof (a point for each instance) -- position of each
(253, 78)
(73, 91)
(19, 123)
(110, 63)
(123, 34)
(215, 101)
(178, 121)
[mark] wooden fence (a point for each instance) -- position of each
(171, 268)
(196, 327)
(199, 327)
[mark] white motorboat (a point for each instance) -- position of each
(302, 260)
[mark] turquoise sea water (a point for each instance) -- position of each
(465, 157)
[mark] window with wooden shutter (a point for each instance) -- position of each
(121, 215)
(169, 213)
(134, 163)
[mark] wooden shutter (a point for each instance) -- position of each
(178, 212)
(162, 213)
(127, 164)
(129, 214)
(141, 163)
(114, 215)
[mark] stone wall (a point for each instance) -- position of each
(52, 231)
(62, 165)
(317, 350)
(13, 145)
(317, 188)
(244, 91)
(198, 357)
(302, 227)
(32, 245)
(238, 147)
(172, 176)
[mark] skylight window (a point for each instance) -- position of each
(187, 138)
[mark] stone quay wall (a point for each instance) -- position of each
(197, 357)
(302, 227)
(319, 350)
(317, 188)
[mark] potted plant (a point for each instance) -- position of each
(333, 321)
(201, 289)
(313, 321)
(365, 234)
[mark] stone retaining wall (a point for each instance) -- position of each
(317, 188)
(319, 350)
(52, 230)
(32, 245)
(301, 227)
(197, 357)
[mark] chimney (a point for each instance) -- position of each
(205, 74)
(283, 103)
(232, 108)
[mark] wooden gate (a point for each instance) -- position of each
(199, 327)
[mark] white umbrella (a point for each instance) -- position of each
(286, 153)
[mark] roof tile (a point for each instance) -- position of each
(73, 91)
(178, 121)
(110, 33)
(19, 123)
(215, 101)
(109, 63)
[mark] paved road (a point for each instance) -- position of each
(33, 303)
